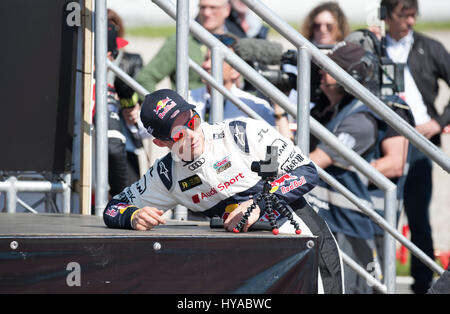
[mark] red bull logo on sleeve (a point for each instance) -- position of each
(293, 185)
(280, 181)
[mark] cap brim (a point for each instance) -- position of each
(187, 106)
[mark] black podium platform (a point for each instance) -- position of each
(55, 253)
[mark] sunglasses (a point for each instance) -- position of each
(192, 123)
(317, 26)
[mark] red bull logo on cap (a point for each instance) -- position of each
(163, 106)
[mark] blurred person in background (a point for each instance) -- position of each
(211, 15)
(245, 23)
(131, 63)
(326, 24)
(426, 61)
(117, 157)
(201, 97)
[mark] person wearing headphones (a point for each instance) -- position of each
(359, 129)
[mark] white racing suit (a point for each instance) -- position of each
(219, 179)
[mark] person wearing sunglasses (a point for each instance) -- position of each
(326, 24)
(208, 171)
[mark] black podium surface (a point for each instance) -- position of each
(56, 253)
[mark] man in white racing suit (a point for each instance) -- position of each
(209, 171)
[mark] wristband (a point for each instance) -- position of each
(132, 216)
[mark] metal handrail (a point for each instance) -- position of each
(12, 186)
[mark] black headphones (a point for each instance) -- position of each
(365, 69)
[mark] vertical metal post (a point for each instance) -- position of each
(217, 73)
(11, 195)
(86, 161)
(101, 112)
(66, 193)
(303, 98)
(389, 262)
(182, 71)
(48, 206)
(182, 51)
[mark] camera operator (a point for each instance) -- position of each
(359, 129)
(208, 171)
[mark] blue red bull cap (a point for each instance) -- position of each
(160, 109)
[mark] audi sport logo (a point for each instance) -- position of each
(196, 164)
(221, 186)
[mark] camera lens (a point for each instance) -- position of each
(255, 166)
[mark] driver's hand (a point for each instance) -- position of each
(147, 218)
(236, 215)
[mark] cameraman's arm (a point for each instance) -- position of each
(394, 150)
(321, 158)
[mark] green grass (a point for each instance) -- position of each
(150, 31)
(155, 31)
(404, 269)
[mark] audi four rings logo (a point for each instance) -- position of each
(196, 164)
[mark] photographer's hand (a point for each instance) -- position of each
(236, 215)
(131, 115)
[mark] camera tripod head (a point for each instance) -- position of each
(267, 169)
